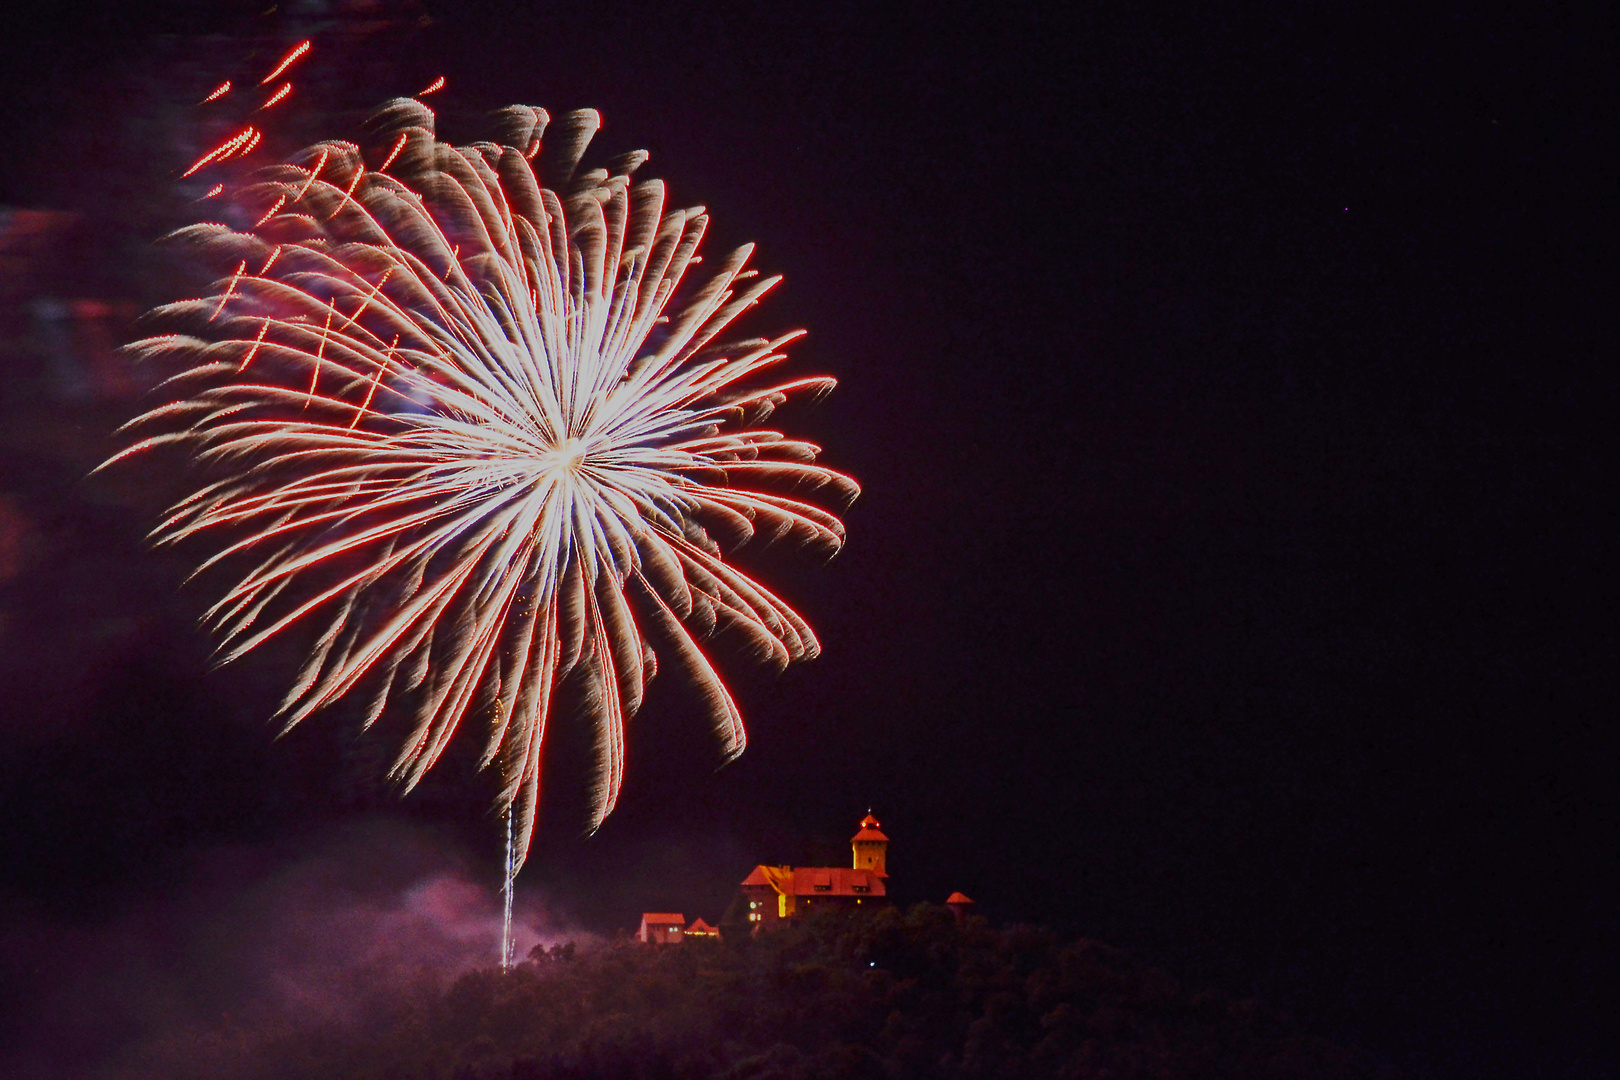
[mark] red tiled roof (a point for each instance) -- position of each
(817, 881)
(869, 830)
(957, 898)
(700, 927)
(835, 881)
(768, 875)
(662, 918)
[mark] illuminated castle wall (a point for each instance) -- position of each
(773, 896)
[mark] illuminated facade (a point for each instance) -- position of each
(661, 928)
(773, 896)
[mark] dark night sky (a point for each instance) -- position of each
(1232, 580)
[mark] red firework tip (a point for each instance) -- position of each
(287, 61)
(347, 195)
(215, 190)
(254, 351)
(313, 173)
(226, 149)
(436, 84)
(241, 268)
(286, 88)
(270, 213)
(219, 91)
(399, 144)
(365, 405)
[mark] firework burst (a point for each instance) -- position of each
(472, 430)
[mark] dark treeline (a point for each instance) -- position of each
(889, 995)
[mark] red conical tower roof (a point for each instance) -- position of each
(869, 830)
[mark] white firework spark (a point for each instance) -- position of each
(462, 422)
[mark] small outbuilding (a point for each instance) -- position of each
(661, 928)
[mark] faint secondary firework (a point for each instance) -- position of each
(456, 412)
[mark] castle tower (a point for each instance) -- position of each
(871, 847)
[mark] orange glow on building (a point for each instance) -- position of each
(773, 896)
(661, 928)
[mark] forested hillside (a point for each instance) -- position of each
(889, 996)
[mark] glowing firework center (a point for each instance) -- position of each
(456, 413)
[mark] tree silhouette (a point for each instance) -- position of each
(886, 995)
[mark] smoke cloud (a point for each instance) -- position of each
(251, 947)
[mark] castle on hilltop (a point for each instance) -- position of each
(771, 897)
